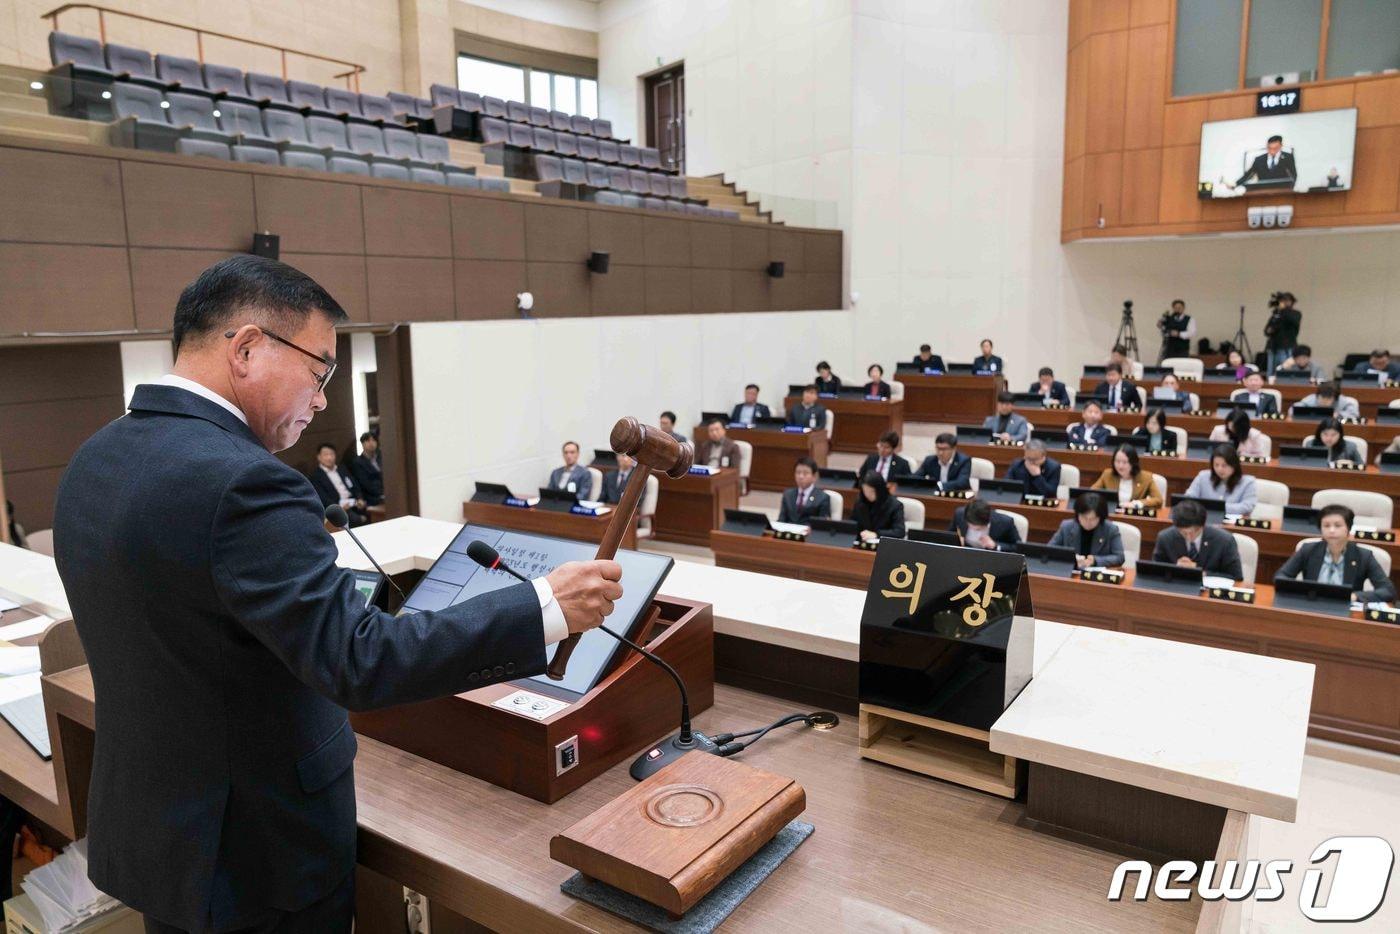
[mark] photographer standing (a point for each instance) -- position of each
(1177, 329)
(1281, 330)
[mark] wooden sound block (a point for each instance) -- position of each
(677, 835)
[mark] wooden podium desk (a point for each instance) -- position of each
(948, 398)
(859, 422)
(1357, 694)
(544, 522)
(689, 507)
(1211, 393)
(1282, 431)
(775, 452)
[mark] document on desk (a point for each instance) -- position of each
(22, 704)
(26, 627)
(7, 604)
(18, 660)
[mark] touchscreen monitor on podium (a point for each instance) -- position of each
(496, 493)
(1227, 407)
(1164, 575)
(454, 577)
(837, 479)
(1312, 596)
(604, 458)
(974, 433)
(1302, 519)
(557, 500)
(745, 522)
(369, 584)
(1031, 399)
(960, 369)
(1302, 455)
(1292, 376)
(707, 417)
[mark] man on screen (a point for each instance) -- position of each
(1273, 165)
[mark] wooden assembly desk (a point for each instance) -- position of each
(1282, 431)
(1211, 392)
(544, 522)
(949, 398)
(775, 452)
(859, 422)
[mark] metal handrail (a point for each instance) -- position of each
(352, 77)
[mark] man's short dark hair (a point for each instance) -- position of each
(753, 386)
(567, 443)
(1380, 352)
(717, 421)
(891, 438)
(1086, 503)
(1046, 371)
(809, 388)
(925, 348)
(1336, 509)
(1188, 514)
(978, 512)
(271, 292)
(1302, 350)
(366, 436)
(1329, 390)
(1275, 138)
(1094, 403)
(807, 462)
(1114, 368)
(669, 414)
(326, 444)
(947, 438)
(823, 365)
(1005, 396)
(1179, 301)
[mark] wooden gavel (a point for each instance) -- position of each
(652, 449)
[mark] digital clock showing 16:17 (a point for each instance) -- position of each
(1278, 102)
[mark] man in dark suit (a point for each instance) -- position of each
(949, 466)
(1272, 165)
(667, 423)
(1038, 472)
(980, 526)
(333, 484)
(1048, 387)
(885, 461)
(928, 360)
(809, 413)
(366, 471)
(1192, 543)
(750, 410)
(718, 450)
(614, 481)
(1338, 560)
(1115, 392)
(1091, 430)
(573, 476)
(1253, 392)
(225, 644)
(805, 500)
(1378, 363)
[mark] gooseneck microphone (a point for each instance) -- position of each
(668, 750)
(336, 516)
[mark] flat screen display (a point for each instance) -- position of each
(454, 578)
(1298, 152)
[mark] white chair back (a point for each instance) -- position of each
(1160, 482)
(1195, 401)
(1249, 556)
(1186, 366)
(896, 389)
(1273, 496)
(838, 505)
(982, 469)
(913, 512)
(595, 484)
(1136, 367)
(1141, 397)
(745, 460)
(1111, 429)
(1069, 476)
(1181, 438)
(40, 541)
(647, 509)
(1030, 429)
(1023, 525)
(1132, 543)
(830, 422)
(1375, 509)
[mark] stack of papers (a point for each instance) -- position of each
(62, 893)
(791, 528)
(18, 659)
(26, 627)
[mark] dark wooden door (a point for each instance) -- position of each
(666, 116)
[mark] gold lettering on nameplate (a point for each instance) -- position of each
(975, 613)
(908, 585)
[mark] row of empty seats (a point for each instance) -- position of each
(536, 139)
(518, 112)
(618, 186)
(341, 164)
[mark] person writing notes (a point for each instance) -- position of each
(1247, 440)
(1049, 388)
(1093, 536)
(877, 514)
(1225, 479)
(980, 526)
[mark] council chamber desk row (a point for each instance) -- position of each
(1375, 431)
(1216, 388)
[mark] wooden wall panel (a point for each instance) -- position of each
(712, 290)
(1142, 181)
(59, 198)
(561, 290)
(666, 241)
(1179, 204)
(1147, 77)
(823, 291)
(786, 246)
(1329, 97)
(556, 234)
(1378, 162)
(668, 290)
(487, 228)
(401, 222)
(1149, 12)
(619, 234)
(750, 291)
(1072, 197)
(158, 276)
(410, 289)
(1080, 12)
(788, 293)
(822, 253)
(621, 292)
(750, 248)
(188, 208)
(1108, 15)
(58, 287)
(711, 246)
(1103, 188)
(1108, 85)
(1181, 122)
(1378, 102)
(1076, 101)
(342, 276)
(487, 288)
(309, 215)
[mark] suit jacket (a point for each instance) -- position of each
(1106, 547)
(993, 363)
(561, 477)
(225, 646)
(1127, 391)
(613, 482)
(1342, 406)
(1047, 484)
(759, 411)
(369, 478)
(813, 417)
(881, 389)
(1267, 404)
(1216, 552)
(1392, 369)
(899, 466)
(886, 520)
(326, 490)
(1002, 529)
(1100, 435)
(1259, 169)
(1143, 441)
(728, 453)
(1358, 566)
(1016, 425)
(818, 506)
(827, 385)
(1058, 392)
(934, 362)
(959, 471)
(1143, 487)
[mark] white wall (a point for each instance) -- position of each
(144, 362)
(495, 400)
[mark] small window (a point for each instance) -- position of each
(588, 98)
(566, 93)
(1207, 46)
(1283, 40)
(1363, 38)
(492, 79)
(539, 89)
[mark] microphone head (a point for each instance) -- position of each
(335, 515)
(483, 554)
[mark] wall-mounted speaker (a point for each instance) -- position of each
(598, 262)
(775, 269)
(267, 245)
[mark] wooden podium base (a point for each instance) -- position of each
(954, 753)
(677, 835)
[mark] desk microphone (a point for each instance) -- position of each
(336, 516)
(664, 752)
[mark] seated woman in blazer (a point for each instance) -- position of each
(1330, 435)
(1153, 435)
(1248, 441)
(1095, 539)
(1226, 480)
(1338, 560)
(877, 385)
(1127, 481)
(877, 513)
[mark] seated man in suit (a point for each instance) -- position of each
(885, 461)
(334, 484)
(1038, 472)
(1007, 425)
(928, 360)
(1190, 542)
(750, 409)
(1115, 392)
(718, 450)
(667, 423)
(1093, 536)
(1329, 395)
(949, 466)
(809, 413)
(1302, 362)
(365, 470)
(1253, 393)
(988, 362)
(615, 481)
(1048, 387)
(1091, 430)
(980, 526)
(1378, 364)
(1338, 560)
(804, 501)
(1273, 166)
(573, 476)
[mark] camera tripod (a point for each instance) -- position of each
(1127, 332)
(1241, 340)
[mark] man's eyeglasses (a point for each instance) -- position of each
(323, 378)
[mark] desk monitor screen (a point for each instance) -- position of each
(1219, 376)
(960, 369)
(1044, 554)
(557, 500)
(1390, 462)
(1310, 412)
(1293, 376)
(909, 483)
(369, 584)
(1215, 508)
(1164, 575)
(1229, 406)
(604, 457)
(1200, 448)
(836, 477)
(838, 532)
(744, 522)
(973, 431)
(1095, 372)
(1303, 455)
(1312, 596)
(1302, 519)
(496, 493)
(1388, 415)
(771, 422)
(1034, 399)
(934, 536)
(1001, 491)
(707, 417)
(454, 578)
(1077, 491)
(1156, 372)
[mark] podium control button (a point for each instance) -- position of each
(521, 699)
(486, 672)
(538, 705)
(473, 677)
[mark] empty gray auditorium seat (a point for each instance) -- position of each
(402, 145)
(82, 54)
(548, 168)
(587, 148)
(697, 209)
(268, 91)
(141, 122)
(559, 122)
(677, 185)
(256, 154)
(565, 144)
(632, 201)
(629, 156)
(470, 101)
(435, 151)
(181, 74)
(328, 135)
(494, 184)
(618, 179)
(381, 169)
(345, 104)
(539, 116)
(597, 174)
(659, 184)
(728, 214)
(581, 125)
(79, 78)
(202, 147)
(494, 131)
(427, 176)
(607, 151)
(651, 158)
(194, 115)
(309, 98)
(406, 105)
(575, 172)
(602, 129)
(518, 111)
(348, 166)
(653, 204)
(228, 81)
(305, 160)
(520, 134)
(608, 197)
(442, 95)
(639, 182)
(541, 139)
(129, 63)
(675, 207)
(368, 141)
(713, 212)
(374, 107)
(287, 130)
(493, 107)
(464, 181)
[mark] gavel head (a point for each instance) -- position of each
(652, 447)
